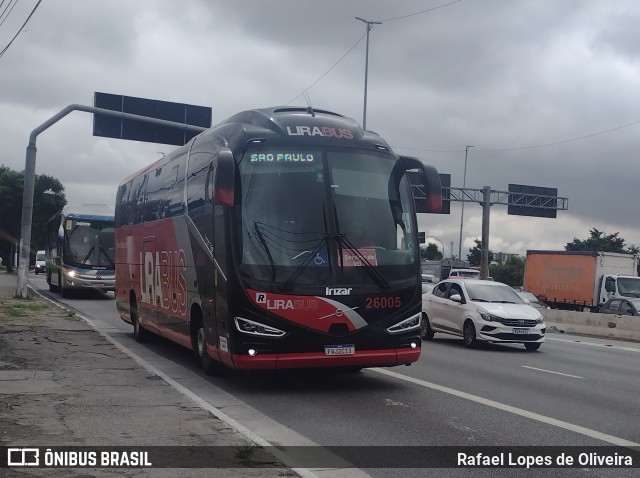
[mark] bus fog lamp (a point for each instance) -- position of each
(253, 352)
(414, 345)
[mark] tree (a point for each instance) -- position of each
(48, 198)
(431, 252)
(511, 272)
(600, 242)
(475, 254)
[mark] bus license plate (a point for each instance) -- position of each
(521, 331)
(339, 349)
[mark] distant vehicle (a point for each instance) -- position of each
(575, 280)
(80, 249)
(621, 307)
(41, 263)
(464, 274)
(429, 279)
(481, 311)
(531, 299)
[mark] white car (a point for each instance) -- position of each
(480, 311)
(41, 263)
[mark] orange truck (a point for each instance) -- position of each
(578, 280)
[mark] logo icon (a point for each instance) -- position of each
(23, 457)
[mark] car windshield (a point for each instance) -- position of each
(528, 296)
(40, 257)
(629, 285)
(493, 293)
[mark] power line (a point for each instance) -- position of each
(358, 42)
(579, 138)
(420, 13)
(9, 7)
(327, 72)
(20, 30)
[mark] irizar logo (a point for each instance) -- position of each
(339, 290)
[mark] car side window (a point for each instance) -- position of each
(614, 305)
(440, 290)
(626, 309)
(455, 289)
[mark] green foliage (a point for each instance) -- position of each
(430, 252)
(511, 272)
(600, 242)
(48, 198)
(475, 254)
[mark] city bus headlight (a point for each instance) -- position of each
(70, 273)
(405, 325)
(256, 328)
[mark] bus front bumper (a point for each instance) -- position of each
(364, 358)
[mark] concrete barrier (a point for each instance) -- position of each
(598, 325)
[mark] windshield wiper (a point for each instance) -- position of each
(375, 275)
(311, 257)
(368, 267)
(264, 245)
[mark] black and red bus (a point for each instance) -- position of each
(280, 238)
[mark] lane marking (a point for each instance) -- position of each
(515, 410)
(594, 344)
(551, 371)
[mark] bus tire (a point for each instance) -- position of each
(199, 340)
(52, 288)
(140, 334)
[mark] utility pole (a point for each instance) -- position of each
(366, 68)
(464, 185)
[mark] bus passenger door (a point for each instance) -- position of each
(149, 297)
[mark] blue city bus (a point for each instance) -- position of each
(80, 249)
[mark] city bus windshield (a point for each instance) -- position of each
(325, 216)
(89, 243)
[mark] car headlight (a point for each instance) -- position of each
(488, 317)
(540, 320)
(411, 323)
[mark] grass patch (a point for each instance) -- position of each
(19, 309)
(244, 452)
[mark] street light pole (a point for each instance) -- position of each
(366, 68)
(464, 185)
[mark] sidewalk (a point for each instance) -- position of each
(63, 384)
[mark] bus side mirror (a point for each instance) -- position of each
(224, 179)
(426, 181)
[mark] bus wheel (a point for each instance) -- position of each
(140, 334)
(52, 288)
(209, 365)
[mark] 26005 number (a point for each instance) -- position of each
(382, 302)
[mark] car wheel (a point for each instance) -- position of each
(469, 334)
(532, 346)
(425, 328)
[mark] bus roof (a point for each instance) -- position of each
(96, 212)
(286, 125)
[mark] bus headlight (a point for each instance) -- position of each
(256, 328)
(405, 325)
(70, 273)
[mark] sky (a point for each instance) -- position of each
(543, 90)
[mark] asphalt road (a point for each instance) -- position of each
(574, 391)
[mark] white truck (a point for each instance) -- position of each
(578, 280)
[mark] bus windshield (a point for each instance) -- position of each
(89, 243)
(325, 216)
